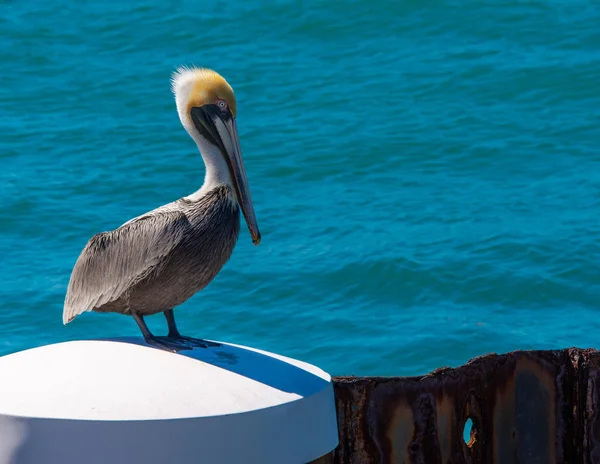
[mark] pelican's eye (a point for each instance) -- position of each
(222, 104)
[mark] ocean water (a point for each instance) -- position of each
(426, 174)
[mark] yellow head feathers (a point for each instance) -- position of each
(201, 86)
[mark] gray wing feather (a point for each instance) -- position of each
(112, 262)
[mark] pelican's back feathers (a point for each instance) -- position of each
(112, 262)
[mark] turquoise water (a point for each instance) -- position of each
(426, 174)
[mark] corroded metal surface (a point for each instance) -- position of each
(525, 407)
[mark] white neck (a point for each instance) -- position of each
(217, 171)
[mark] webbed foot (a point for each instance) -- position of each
(168, 344)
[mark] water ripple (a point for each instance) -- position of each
(424, 173)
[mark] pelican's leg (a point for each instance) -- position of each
(175, 335)
(173, 331)
(164, 343)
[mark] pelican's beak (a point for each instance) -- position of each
(219, 128)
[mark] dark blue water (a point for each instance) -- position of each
(426, 174)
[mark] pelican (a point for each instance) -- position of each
(156, 261)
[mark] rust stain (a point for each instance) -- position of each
(445, 424)
(505, 445)
(400, 431)
(473, 438)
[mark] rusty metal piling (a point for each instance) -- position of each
(529, 407)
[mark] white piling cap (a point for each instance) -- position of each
(120, 401)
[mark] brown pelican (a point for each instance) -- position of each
(158, 260)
